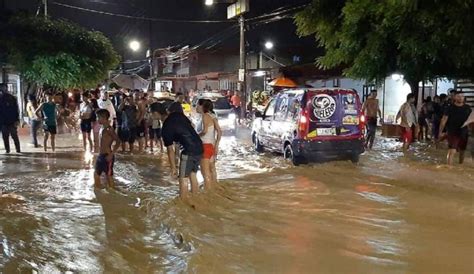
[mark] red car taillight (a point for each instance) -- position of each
(362, 123)
(303, 125)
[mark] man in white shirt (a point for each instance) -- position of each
(105, 103)
(409, 117)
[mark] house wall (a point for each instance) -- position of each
(391, 97)
(444, 85)
(346, 83)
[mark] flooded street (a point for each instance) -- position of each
(389, 214)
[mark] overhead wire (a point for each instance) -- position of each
(140, 17)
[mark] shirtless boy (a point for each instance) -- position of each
(372, 111)
(105, 160)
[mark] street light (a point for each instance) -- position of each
(134, 45)
(209, 2)
(269, 45)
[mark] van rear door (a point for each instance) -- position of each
(333, 114)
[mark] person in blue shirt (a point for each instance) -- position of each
(49, 112)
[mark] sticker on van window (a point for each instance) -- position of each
(350, 120)
(324, 106)
(349, 104)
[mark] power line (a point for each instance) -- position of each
(140, 18)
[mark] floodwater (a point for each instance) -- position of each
(389, 214)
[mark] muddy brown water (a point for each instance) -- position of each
(389, 214)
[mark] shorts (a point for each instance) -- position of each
(209, 151)
(407, 135)
(104, 166)
(458, 142)
(154, 133)
(50, 129)
(140, 130)
(86, 126)
(237, 111)
(128, 135)
(188, 164)
(371, 125)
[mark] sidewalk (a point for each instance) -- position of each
(64, 142)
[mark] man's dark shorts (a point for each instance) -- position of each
(188, 164)
(154, 133)
(128, 135)
(141, 130)
(458, 142)
(50, 129)
(86, 126)
(238, 112)
(371, 125)
(104, 166)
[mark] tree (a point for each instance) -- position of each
(57, 53)
(371, 39)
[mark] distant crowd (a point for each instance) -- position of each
(131, 120)
(443, 118)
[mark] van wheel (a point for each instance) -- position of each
(355, 158)
(256, 143)
(289, 155)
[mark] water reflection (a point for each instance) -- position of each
(390, 214)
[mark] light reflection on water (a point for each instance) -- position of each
(390, 214)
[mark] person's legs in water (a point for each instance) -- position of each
(213, 171)
(89, 138)
(45, 141)
(151, 138)
(462, 154)
(407, 137)
(53, 142)
(131, 140)
(6, 138)
(16, 140)
(84, 140)
(194, 183)
(96, 180)
(110, 181)
(34, 132)
(206, 173)
(450, 156)
(372, 127)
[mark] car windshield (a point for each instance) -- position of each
(221, 103)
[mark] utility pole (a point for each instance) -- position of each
(45, 8)
(243, 87)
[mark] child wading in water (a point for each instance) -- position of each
(105, 160)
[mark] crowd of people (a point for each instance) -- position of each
(124, 120)
(443, 118)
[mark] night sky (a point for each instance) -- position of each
(122, 30)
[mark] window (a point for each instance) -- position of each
(270, 109)
(294, 108)
(222, 103)
(281, 107)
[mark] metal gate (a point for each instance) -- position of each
(467, 88)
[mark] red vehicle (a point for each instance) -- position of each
(312, 125)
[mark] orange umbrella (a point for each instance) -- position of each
(283, 82)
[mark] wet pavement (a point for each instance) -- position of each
(389, 214)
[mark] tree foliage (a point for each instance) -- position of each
(422, 39)
(58, 53)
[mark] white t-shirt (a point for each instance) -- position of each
(108, 105)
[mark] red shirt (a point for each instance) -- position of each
(235, 100)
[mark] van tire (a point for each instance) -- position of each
(355, 158)
(289, 155)
(256, 143)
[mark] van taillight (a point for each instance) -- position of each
(362, 123)
(303, 125)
